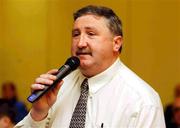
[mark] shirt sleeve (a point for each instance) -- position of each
(150, 117)
(28, 122)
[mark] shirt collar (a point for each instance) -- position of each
(98, 81)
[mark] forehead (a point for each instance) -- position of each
(91, 21)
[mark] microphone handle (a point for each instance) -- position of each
(62, 72)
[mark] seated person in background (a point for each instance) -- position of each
(9, 96)
(169, 108)
(175, 123)
(7, 115)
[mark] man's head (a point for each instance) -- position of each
(96, 38)
(9, 90)
(113, 22)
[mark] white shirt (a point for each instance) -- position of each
(118, 98)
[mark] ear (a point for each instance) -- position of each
(117, 43)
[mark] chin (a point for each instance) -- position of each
(85, 64)
(84, 57)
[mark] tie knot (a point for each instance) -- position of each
(84, 85)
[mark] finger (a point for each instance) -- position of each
(37, 87)
(51, 98)
(48, 76)
(58, 86)
(40, 80)
(52, 71)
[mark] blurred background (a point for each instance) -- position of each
(35, 36)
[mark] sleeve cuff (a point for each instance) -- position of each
(29, 122)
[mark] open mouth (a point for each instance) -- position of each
(83, 53)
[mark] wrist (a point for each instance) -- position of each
(38, 115)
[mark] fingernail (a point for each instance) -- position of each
(54, 77)
(41, 86)
(50, 82)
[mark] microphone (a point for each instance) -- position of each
(70, 65)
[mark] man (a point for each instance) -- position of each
(117, 98)
(174, 119)
(10, 97)
(176, 113)
(168, 113)
(7, 116)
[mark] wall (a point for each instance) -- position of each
(24, 39)
(35, 37)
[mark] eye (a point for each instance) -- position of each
(75, 33)
(91, 33)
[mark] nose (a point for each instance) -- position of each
(82, 42)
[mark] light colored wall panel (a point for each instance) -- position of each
(155, 39)
(24, 39)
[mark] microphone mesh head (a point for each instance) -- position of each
(73, 62)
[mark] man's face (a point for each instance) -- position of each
(92, 43)
(8, 92)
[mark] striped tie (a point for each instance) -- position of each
(79, 115)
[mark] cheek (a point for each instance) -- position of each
(104, 50)
(99, 53)
(73, 49)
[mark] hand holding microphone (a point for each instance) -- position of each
(46, 87)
